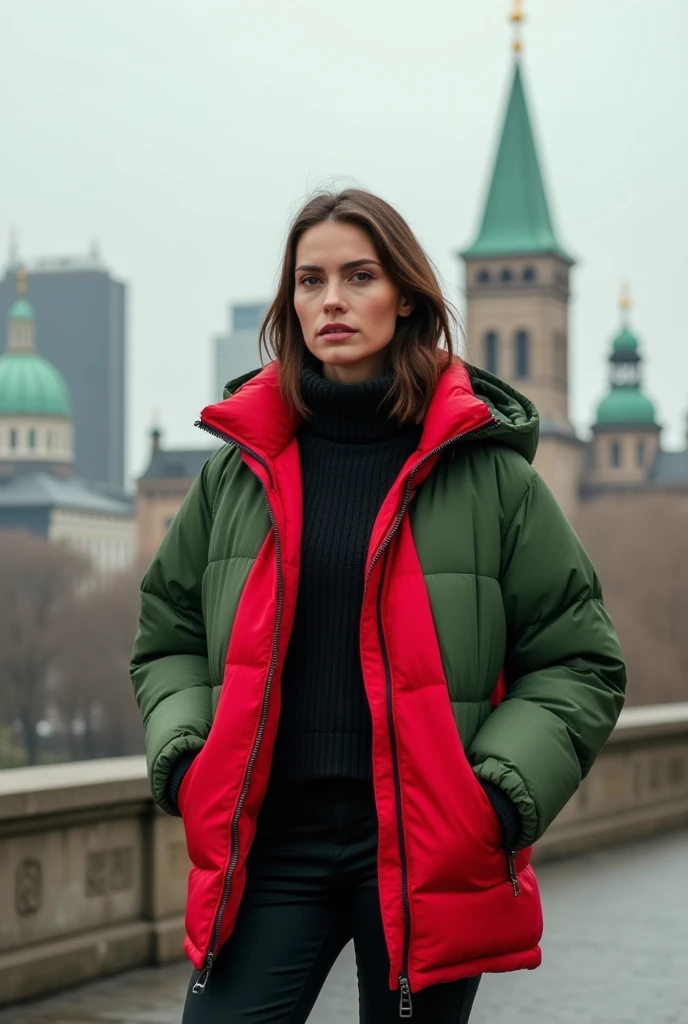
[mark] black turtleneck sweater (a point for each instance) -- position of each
(351, 453)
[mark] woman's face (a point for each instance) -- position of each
(345, 301)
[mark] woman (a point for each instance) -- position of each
(373, 662)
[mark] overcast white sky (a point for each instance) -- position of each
(182, 134)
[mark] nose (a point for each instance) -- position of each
(333, 300)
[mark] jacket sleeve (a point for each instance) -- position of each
(169, 667)
(564, 667)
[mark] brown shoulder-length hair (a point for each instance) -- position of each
(422, 344)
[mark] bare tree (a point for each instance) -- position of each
(39, 582)
(94, 686)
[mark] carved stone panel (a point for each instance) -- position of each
(70, 880)
(28, 887)
(109, 871)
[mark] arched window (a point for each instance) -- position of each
(32, 438)
(615, 454)
(529, 274)
(506, 274)
(522, 355)
(483, 277)
(491, 353)
(640, 453)
(13, 438)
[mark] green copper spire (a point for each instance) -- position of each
(516, 218)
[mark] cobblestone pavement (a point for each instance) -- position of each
(614, 953)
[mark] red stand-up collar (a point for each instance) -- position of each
(258, 417)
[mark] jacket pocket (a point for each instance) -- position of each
(183, 791)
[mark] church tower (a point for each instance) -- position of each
(517, 290)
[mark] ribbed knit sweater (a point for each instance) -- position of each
(351, 453)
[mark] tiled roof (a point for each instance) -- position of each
(46, 490)
(176, 463)
(670, 468)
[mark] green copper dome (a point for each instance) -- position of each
(31, 386)
(626, 404)
(625, 342)
(21, 310)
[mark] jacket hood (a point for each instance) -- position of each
(233, 385)
(517, 420)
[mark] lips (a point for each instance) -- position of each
(336, 331)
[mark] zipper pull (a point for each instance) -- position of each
(513, 874)
(405, 1005)
(202, 980)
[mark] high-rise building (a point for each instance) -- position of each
(236, 352)
(81, 312)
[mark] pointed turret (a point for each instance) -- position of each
(625, 433)
(625, 404)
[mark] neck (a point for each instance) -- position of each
(371, 368)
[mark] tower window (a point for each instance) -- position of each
(506, 274)
(529, 274)
(32, 438)
(483, 277)
(491, 353)
(13, 438)
(522, 355)
(640, 453)
(615, 454)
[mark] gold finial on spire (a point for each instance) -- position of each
(517, 17)
(625, 300)
(21, 282)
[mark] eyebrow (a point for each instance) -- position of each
(345, 266)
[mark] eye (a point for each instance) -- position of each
(361, 276)
(310, 280)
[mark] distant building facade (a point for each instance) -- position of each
(161, 490)
(170, 472)
(82, 315)
(38, 489)
(236, 352)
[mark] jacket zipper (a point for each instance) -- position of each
(405, 1006)
(405, 1001)
(513, 873)
(202, 980)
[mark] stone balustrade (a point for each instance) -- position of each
(93, 876)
